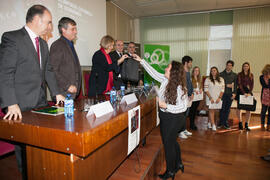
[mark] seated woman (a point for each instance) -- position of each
(172, 99)
(101, 79)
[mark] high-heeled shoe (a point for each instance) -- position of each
(167, 175)
(179, 167)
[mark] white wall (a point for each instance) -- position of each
(90, 16)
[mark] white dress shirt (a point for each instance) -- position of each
(33, 38)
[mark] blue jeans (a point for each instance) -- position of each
(225, 110)
(263, 113)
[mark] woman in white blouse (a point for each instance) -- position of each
(214, 89)
(172, 99)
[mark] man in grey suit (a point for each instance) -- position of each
(64, 59)
(24, 68)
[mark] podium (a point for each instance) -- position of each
(84, 150)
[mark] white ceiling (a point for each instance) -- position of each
(144, 8)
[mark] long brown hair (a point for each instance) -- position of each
(242, 73)
(217, 76)
(194, 81)
(177, 78)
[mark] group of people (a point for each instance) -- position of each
(227, 86)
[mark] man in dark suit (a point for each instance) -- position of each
(24, 68)
(64, 59)
(115, 56)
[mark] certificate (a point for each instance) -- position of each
(246, 100)
(215, 105)
(198, 97)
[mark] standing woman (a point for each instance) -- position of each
(197, 89)
(214, 88)
(101, 79)
(172, 98)
(265, 95)
(245, 83)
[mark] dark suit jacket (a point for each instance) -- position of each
(100, 73)
(21, 79)
(66, 67)
(117, 81)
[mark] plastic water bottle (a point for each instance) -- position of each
(69, 106)
(122, 88)
(113, 96)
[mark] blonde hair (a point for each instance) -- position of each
(266, 69)
(106, 41)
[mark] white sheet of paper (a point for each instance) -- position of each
(246, 100)
(129, 99)
(134, 126)
(158, 120)
(215, 105)
(198, 97)
(189, 104)
(100, 109)
(94, 122)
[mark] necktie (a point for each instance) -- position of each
(37, 46)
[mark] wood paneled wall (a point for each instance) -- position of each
(120, 25)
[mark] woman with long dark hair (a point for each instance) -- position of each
(172, 99)
(197, 89)
(245, 83)
(214, 88)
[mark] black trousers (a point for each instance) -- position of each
(225, 110)
(170, 125)
(193, 112)
(263, 113)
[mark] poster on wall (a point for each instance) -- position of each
(158, 57)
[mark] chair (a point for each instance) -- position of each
(5, 148)
(1, 113)
(86, 76)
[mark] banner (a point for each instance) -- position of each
(158, 57)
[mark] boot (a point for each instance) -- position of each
(246, 126)
(268, 127)
(262, 127)
(167, 175)
(240, 126)
(179, 167)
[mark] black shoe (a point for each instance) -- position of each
(227, 127)
(246, 127)
(193, 128)
(167, 175)
(240, 126)
(179, 167)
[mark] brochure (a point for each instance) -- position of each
(53, 110)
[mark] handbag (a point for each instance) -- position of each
(247, 107)
(129, 70)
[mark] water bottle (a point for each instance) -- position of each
(69, 106)
(113, 96)
(69, 123)
(122, 88)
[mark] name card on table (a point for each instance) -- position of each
(100, 109)
(129, 99)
